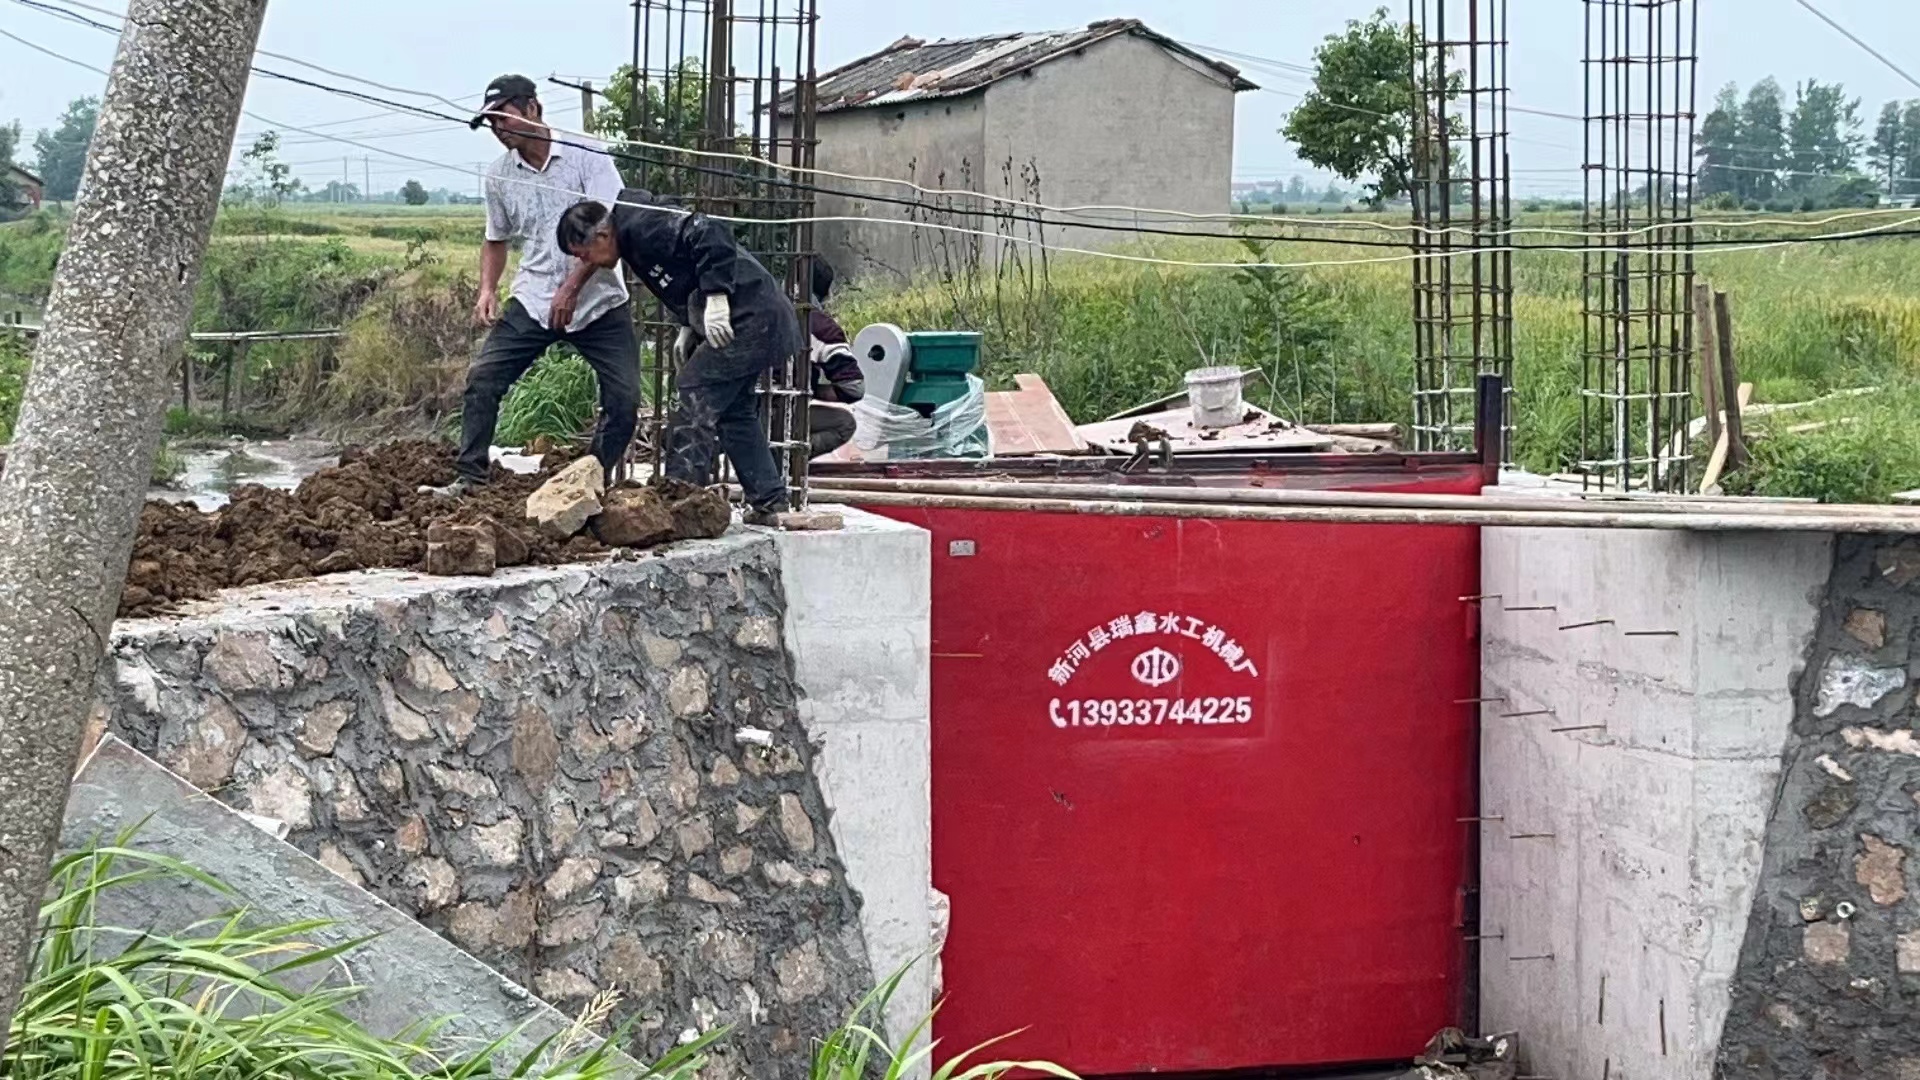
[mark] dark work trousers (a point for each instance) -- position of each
(829, 427)
(723, 415)
(610, 347)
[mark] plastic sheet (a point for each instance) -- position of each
(884, 431)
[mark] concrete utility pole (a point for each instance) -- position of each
(89, 423)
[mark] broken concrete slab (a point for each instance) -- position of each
(410, 974)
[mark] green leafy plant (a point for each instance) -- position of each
(555, 398)
(214, 1000)
(858, 1049)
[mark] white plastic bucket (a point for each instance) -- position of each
(1216, 396)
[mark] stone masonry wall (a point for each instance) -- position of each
(1828, 984)
(593, 778)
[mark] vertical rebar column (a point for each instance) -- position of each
(1637, 271)
(730, 84)
(1461, 191)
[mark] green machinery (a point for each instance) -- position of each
(937, 369)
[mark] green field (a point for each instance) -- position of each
(1333, 341)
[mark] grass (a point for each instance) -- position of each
(1334, 342)
(554, 399)
(219, 999)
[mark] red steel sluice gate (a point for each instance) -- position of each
(1199, 785)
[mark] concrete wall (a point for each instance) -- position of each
(1620, 878)
(859, 611)
(1122, 122)
(1828, 984)
(936, 144)
(591, 777)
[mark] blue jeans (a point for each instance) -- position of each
(723, 416)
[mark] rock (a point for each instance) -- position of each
(563, 505)
(810, 521)
(687, 691)
(1845, 680)
(477, 786)
(1882, 868)
(563, 824)
(661, 652)
(565, 984)
(643, 824)
(634, 518)
(725, 773)
(731, 953)
(240, 662)
(707, 892)
(574, 875)
(439, 885)
(1868, 627)
(285, 795)
(499, 844)
(320, 728)
(736, 860)
(784, 874)
(683, 782)
(801, 973)
(1785, 1017)
(572, 927)
(699, 514)
(629, 732)
(1827, 943)
(412, 837)
(629, 968)
(336, 860)
(758, 633)
(647, 885)
(460, 550)
(1907, 953)
(212, 746)
(746, 817)
(795, 825)
(392, 780)
(536, 750)
(694, 836)
(509, 547)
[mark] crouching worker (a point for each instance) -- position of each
(736, 322)
(837, 378)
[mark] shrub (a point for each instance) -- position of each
(555, 398)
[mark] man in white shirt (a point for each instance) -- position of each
(556, 298)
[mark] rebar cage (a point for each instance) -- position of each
(1460, 183)
(721, 109)
(1637, 275)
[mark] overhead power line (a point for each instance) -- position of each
(1855, 38)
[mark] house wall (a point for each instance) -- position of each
(1120, 122)
(935, 144)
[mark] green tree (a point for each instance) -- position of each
(1357, 121)
(267, 181)
(1763, 141)
(414, 194)
(1888, 151)
(677, 123)
(63, 150)
(1719, 145)
(1909, 178)
(1823, 134)
(1297, 190)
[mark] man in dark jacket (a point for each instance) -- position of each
(736, 322)
(837, 378)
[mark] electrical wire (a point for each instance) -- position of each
(1901, 228)
(1855, 38)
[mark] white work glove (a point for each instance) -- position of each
(719, 321)
(683, 345)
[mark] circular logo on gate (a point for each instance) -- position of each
(1156, 667)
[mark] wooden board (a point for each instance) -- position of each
(1030, 421)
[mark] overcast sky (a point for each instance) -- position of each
(454, 47)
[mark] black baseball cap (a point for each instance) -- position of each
(506, 88)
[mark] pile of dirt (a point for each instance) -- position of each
(367, 513)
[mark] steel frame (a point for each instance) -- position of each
(1462, 195)
(734, 77)
(1641, 68)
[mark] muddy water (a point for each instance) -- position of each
(211, 474)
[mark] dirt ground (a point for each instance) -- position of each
(365, 513)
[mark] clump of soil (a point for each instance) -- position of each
(366, 513)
